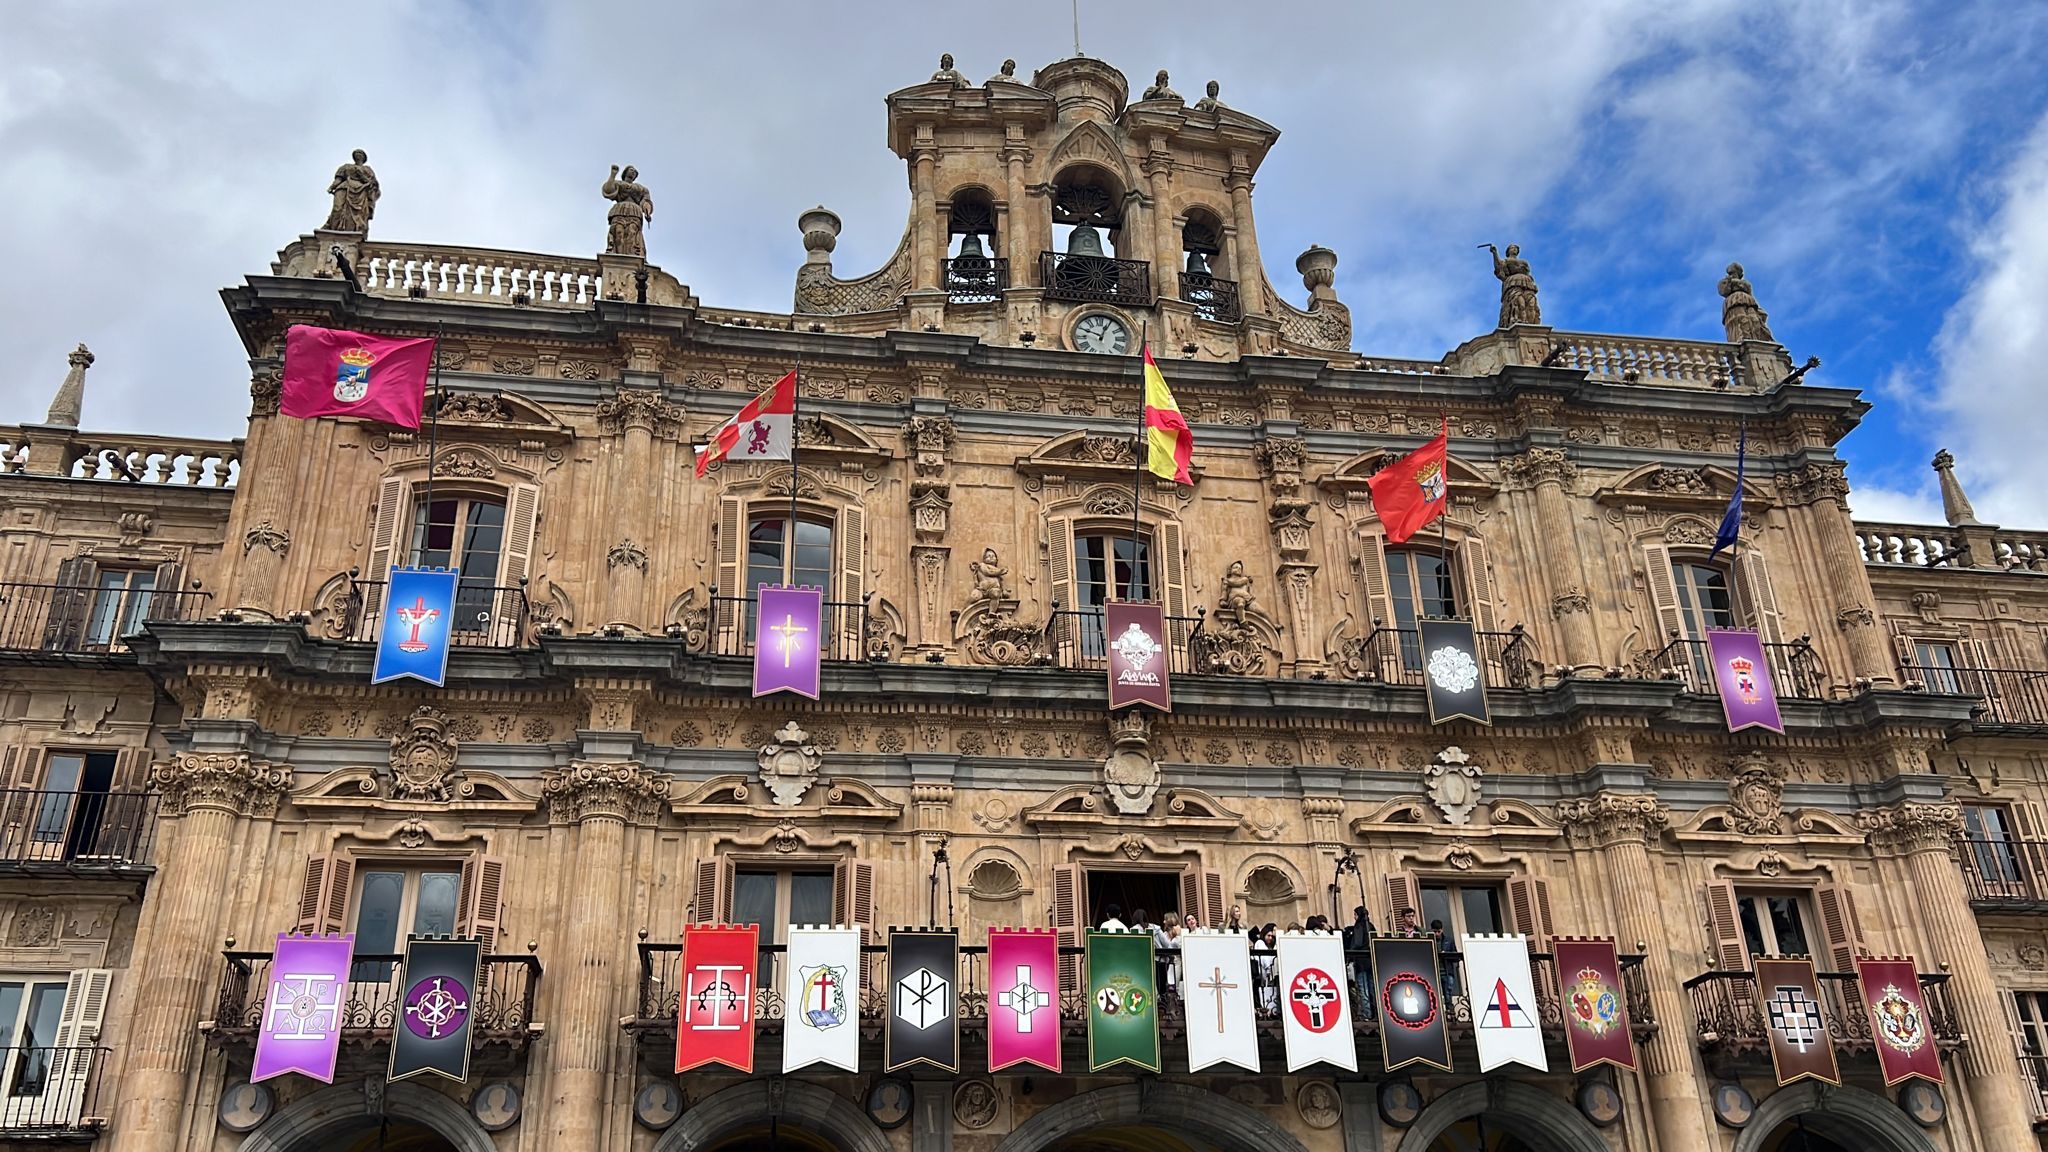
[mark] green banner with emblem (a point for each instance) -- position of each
(1123, 1008)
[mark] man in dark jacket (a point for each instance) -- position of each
(1358, 947)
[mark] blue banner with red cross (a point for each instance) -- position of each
(417, 620)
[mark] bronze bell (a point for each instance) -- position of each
(1085, 241)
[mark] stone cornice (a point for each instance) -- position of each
(589, 790)
(1908, 828)
(1614, 818)
(224, 781)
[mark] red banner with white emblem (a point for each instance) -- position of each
(1136, 640)
(1595, 1008)
(1788, 994)
(1899, 1025)
(715, 1013)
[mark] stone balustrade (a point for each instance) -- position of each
(1913, 545)
(1640, 360)
(2021, 551)
(137, 459)
(480, 275)
(1401, 367)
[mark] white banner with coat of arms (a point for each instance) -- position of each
(820, 1003)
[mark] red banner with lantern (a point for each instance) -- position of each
(715, 1012)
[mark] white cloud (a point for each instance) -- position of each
(1892, 506)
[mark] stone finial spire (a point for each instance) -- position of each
(1955, 506)
(70, 399)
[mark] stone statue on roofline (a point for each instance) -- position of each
(1209, 102)
(947, 74)
(632, 209)
(1517, 287)
(1160, 91)
(355, 193)
(1741, 315)
(1007, 75)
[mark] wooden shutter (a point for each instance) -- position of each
(1754, 598)
(323, 900)
(2030, 1064)
(1059, 549)
(852, 581)
(483, 899)
(2027, 840)
(1669, 621)
(1975, 654)
(70, 602)
(711, 899)
(853, 903)
(170, 576)
(1724, 927)
(732, 530)
(78, 1028)
(522, 519)
(1404, 894)
(1069, 886)
(1839, 925)
(1372, 570)
(1173, 569)
(1201, 896)
(390, 529)
(1529, 910)
(1478, 576)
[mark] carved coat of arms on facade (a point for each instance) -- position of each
(1756, 797)
(1452, 784)
(423, 759)
(1130, 773)
(790, 765)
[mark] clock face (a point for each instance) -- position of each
(1102, 333)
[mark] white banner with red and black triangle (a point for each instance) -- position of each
(1505, 1023)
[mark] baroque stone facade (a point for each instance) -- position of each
(199, 762)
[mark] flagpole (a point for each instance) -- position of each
(1443, 521)
(1735, 545)
(1138, 455)
(796, 405)
(433, 447)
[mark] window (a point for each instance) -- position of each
(466, 533)
(1420, 586)
(768, 562)
(392, 902)
(1773, 923)
(31, 1008)
(71, 806)
(1936, 661)
(1107, 568)
(775, 900)
(2032, 1010)
(119, 605)
(1992, 852)
(1703, 597)
(1462, 909)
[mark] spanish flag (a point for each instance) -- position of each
(1169, 444)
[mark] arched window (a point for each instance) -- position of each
(466, 533)
(1107, 566)
(1087, 218)
(974, 273)
(1214, 298)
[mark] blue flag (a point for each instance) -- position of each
(412, 635)
(1731, 520)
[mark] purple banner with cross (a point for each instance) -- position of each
(789, 625)
(302, 1007)
(1743, 677)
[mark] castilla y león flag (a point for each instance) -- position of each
(335, 372)
(763, 429)
(1415, 489)
(715, 1017)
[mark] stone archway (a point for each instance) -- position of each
(798, 1102)
(315, 1122)
(1850, 1117)
(1215, 1118)
(1544, 1120)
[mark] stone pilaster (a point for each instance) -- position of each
(1622, 827)
(1158, 168)
(601, 799)
(1824, 487)
(1245, 251)
(203, 795)
(1924, 835)
(1548, 471)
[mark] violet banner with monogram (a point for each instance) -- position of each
(1411, 1002)
(1136, 640)
(788, 630)
(1452, 671)
(1788, 995)
(924, 1018)
(301, 1026)
(1743, 677)
(1898, 1018)
(418, 622)
(1024, 998)
(436, 1004)
(1596, 1027)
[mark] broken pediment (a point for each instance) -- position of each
(830, 437)
(736, 795)
(1081, 805)
(1091, 457)
(1670, 486)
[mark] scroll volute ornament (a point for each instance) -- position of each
(623, 791)
(1911, 827)
(1613, 817)
(225, 781)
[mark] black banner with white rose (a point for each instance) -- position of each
(1453, 671)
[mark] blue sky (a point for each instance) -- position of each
(1880, 167)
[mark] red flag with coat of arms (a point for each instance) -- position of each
(1415, 489)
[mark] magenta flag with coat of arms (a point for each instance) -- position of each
(335, 372)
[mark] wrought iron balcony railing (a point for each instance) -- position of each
(1728, 1011)
(1078, 638)
(75, 832)
(1097, 279)
(1795, 668)
(486, 615)
(1213, 299)
(52, 1095)
(2014, 699)
(846, 624)
(80, 618)
(1394, 656)
(975, 279)
(503, 1013)
(2004, 874)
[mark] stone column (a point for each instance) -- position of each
(601, 799)
(1924, 834)
(926, 247)
(1245, 263)
(1017, 231)
(1548, 470)
(1823, 487)
(1158, 178)
(1622, 826)
(203, 795)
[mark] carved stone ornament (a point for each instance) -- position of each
(989, 572)
(974, 1104)
(931, 444)
(1912, 827)
(266, 535)
(590, 790)
(266, 389)
(474, 407)
(790, 765)
(638, 408)
(1613, 817)
(1130, 773)
(1317, 1103)
(223, 781)
(1540, 465)
(1569, 602)
(1453, 784)
(626, 552)
(1821, 480)
(1679, 482)
(995, 635)
(423, 759)
(134, 526)
(35, 926)
(1755, 797)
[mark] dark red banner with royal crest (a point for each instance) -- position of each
(1899, 1024)
(1595, 1008)
(1788, 995)
(715, 1013)
(1135, 638)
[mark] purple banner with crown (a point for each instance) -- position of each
(788, 630)
(1748, 698)
(301, 1026)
